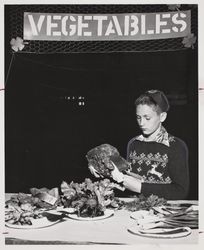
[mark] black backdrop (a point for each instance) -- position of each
(48, 134)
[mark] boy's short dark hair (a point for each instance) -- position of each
(154, 98)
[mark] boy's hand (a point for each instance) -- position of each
(117, 175)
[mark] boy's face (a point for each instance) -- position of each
(148, 119)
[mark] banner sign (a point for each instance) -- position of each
(93, 27)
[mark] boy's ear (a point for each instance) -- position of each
(163, 116)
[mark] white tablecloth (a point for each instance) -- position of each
(112, 230)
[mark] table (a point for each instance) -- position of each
(110, 231)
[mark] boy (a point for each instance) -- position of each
(159, 160)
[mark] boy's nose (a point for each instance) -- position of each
(141, 122)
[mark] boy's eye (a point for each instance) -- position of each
(148, 118)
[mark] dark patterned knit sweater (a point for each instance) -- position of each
(164, 168)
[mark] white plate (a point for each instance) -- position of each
(36, 223)
(50, 217)
(107, 213)
(55, 216)
(162, 232)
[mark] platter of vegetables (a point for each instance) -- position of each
(91, 200)
(31, 210)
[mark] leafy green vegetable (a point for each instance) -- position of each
(104, 158)
(144, 203)
(89, 198)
